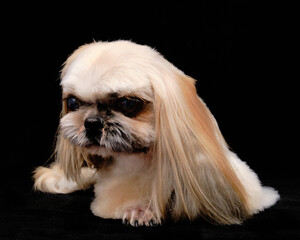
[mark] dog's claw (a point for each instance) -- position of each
(140, 216)
(151, 223)
(136, 223)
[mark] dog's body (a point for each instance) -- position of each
(133, 125)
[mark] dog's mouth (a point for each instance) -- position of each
(93, 144)
(116, 146)
(100, 162)
(116, 140)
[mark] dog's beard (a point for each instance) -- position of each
(114, 136)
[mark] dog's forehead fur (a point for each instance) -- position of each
(102, 68)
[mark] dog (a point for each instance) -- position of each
(133, 126)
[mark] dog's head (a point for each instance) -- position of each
(108, 98)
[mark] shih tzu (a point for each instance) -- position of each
(133, 125)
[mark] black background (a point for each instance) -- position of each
(242, 55)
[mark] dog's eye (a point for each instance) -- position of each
(130, 107)
(72, 103)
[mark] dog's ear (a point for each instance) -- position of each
(69, 157)
(193, 174)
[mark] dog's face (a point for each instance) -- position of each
(107, 101)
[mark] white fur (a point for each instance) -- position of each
(53, 180)
(104, 68)
(259, 197)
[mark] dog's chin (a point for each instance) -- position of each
(108, 149)
(93, 148)
(98, 150)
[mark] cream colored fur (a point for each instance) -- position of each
(259, 197)
(187, 170)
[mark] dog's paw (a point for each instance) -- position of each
(139, 216)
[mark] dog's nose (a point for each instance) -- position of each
(93, 126)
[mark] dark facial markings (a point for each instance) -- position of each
(101, 128)
(129, 106)
(119, 139)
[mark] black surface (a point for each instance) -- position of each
(30, 215)
(241, 53)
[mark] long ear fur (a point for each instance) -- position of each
(193, 174)
(70, 157)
